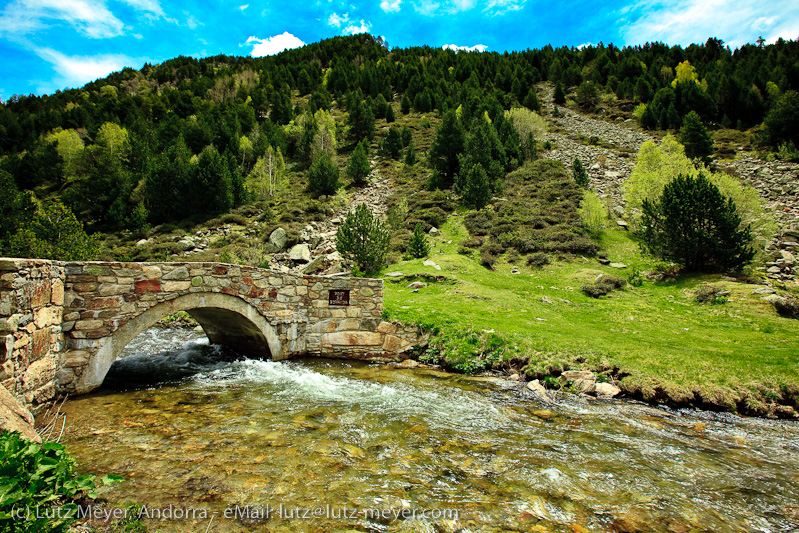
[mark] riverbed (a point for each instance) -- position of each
(211, 441)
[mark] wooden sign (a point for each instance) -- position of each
(339, 297)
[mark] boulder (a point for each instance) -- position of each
(606, 390)
(763, 290)
(574, 375)
(394, 275)
(617, 265)
(434, 231)
(317, 265)
(416, 285)
(300, 253)
(278, 238)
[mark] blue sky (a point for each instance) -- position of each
(47, 45)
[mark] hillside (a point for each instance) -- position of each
(218, 159)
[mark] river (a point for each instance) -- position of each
(214, 442)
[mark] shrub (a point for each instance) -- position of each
(603, 286)
(418, 247)
(35, 477)
(692, 223)
(593, 213)
(707, 293)
(538, 259)
(363, 240)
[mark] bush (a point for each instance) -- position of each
(593, 213)
(707, 293)
(37, 477)
(603, 286)
(538, 259)
(693, 224)
(363, 240)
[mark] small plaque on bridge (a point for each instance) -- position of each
(339, 297)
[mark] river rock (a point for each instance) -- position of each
(278, 238)
(606, 390)
(300, 253)
(538, 390)
(585, 386)
(408, 363)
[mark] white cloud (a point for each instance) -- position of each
(76, 71)
(245, 6)
(90, 17)
(683, 22)
(337, 20)
(390, 5)
(451, 7)
(274, 44)
(362, 27)
(475, 48)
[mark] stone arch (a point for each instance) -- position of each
(226, 320)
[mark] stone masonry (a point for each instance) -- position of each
(63, 324)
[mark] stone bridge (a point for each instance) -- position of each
(62, 324)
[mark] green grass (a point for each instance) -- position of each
(739, 355)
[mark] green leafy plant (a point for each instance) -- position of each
(35, 477)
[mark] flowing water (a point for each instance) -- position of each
(209, 441)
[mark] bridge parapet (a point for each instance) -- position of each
(93, 309)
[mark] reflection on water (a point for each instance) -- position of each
(359, 438)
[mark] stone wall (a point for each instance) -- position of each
(31, 337)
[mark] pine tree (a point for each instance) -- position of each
(531, 100)
(693, 135)
(418, 247)
(559, 96)
(358, 166)
(579, 173)
(410, 155)
(405, 104)
(391, 146)
(447, 145)
(693, 224)
(362, 240)
(475, 188)
(389, 114)
(323, 175)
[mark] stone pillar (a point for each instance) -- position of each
(31, 309)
